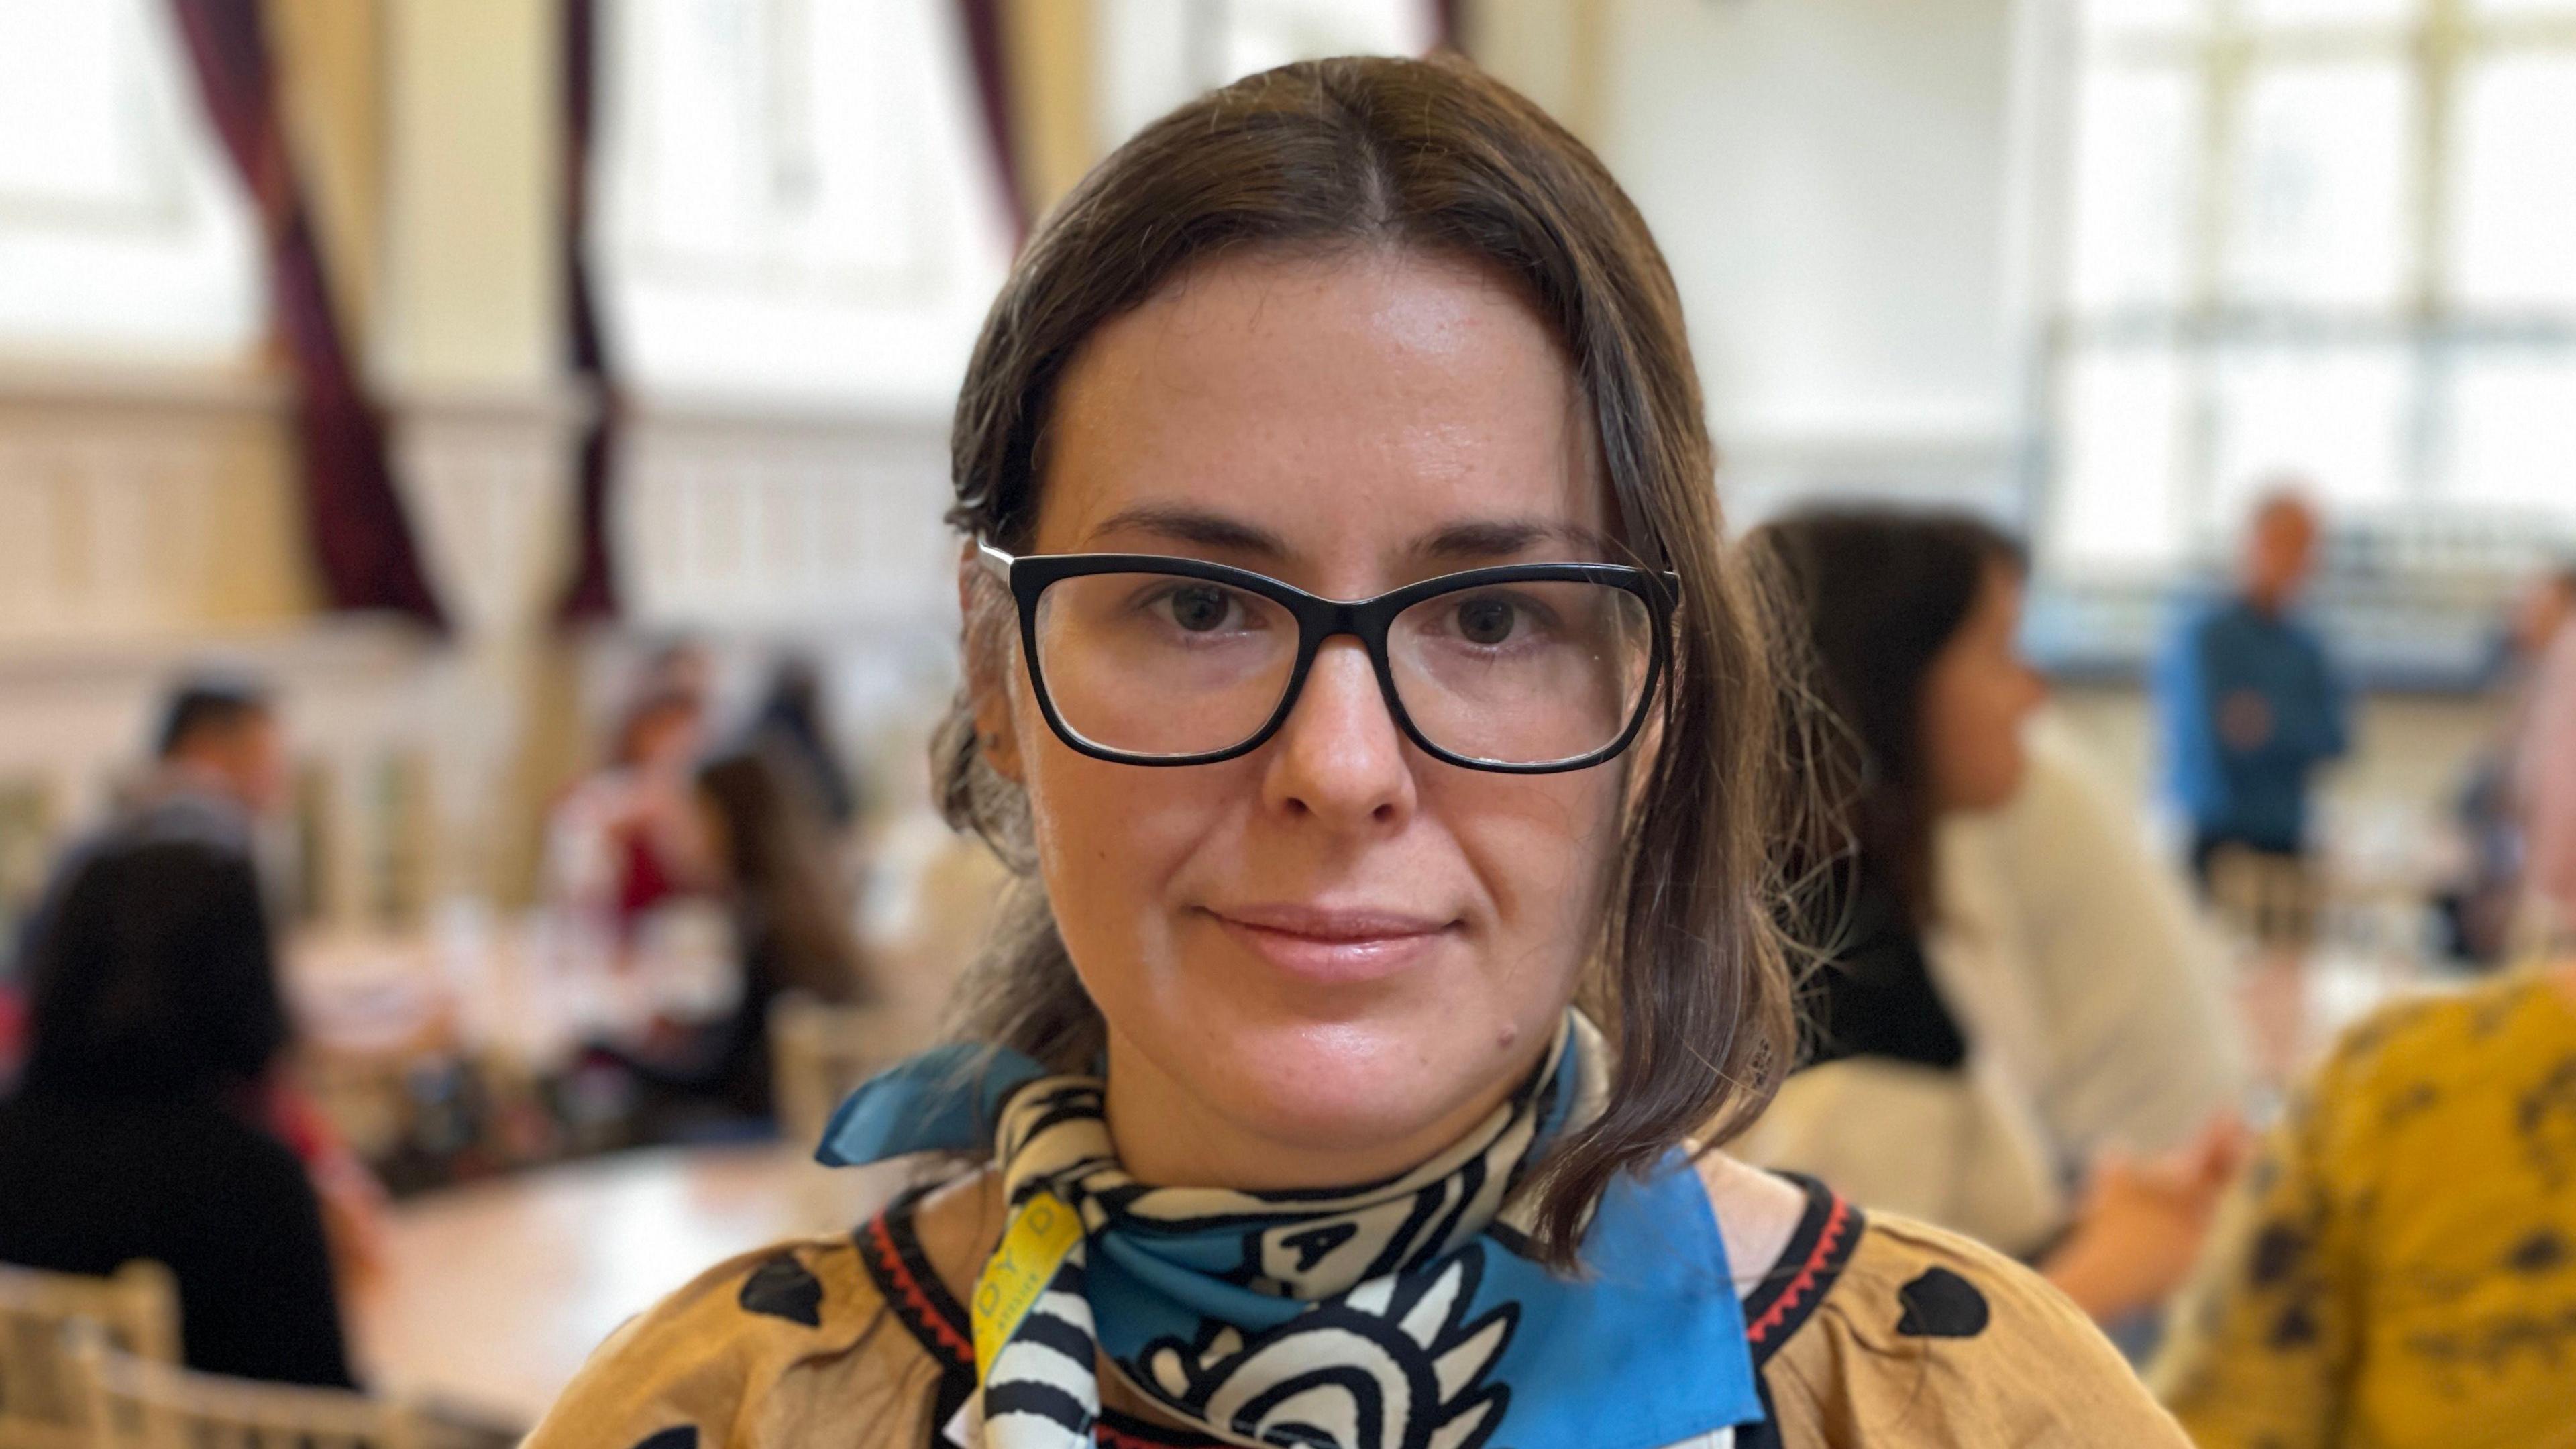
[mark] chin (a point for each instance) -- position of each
(1353, 1087)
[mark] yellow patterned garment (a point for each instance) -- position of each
(2398, 1269)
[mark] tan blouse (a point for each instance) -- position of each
(1876, 1332)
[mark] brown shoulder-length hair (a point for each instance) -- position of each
(1688, 977)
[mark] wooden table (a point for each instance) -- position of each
(495, 1293)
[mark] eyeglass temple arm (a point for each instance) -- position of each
(994, 560)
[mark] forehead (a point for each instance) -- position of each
(1344, 403)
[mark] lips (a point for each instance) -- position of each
(1333, 947)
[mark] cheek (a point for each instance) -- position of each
(1972, 739)
(1541, 847)
(1111, 839)
(1991, 724)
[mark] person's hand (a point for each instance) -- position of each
(2140, 1227)
(2245, 720)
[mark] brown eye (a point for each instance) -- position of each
(1485, 621)
(1199, 609)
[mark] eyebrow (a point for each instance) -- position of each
(1196, 527)
(1472, 541)
(1503, 537)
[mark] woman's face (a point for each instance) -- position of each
(1326, 959)
(1976, 698)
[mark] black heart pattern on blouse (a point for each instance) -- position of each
(1941, 1304)
(781, 1288)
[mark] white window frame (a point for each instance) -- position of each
(2432, 328)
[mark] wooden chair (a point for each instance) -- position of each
(818, 1052)
(41, 1394)
(134, 1403)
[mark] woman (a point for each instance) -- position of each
(142, 1125)
(791, 930)
(1314, 885)
(2398, 1268)
(625, 841)
(1932, 1026)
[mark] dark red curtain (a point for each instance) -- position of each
(592, 593)
(1446, 26)
(981, 21)
(361, 541)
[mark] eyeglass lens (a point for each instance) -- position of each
(1162, 665)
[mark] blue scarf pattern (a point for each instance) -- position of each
(1403, 1314)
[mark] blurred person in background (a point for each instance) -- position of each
(1273, 1115)
(2482, 910)
(219, 780)
(2545, 780)
(792, 921)
(145, 1125)
(2132, 1044)
(2248, 701)
(2398, 1268)
(218, 774)
(628, 838)
(683, 666)
(1979, 1039)
(220, 764)
(794, 723)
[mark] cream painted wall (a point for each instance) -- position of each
(1548, 50)
(473, 293)
(1827, 176)
(1828, 180)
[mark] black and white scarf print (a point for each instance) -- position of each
(1387, 1316)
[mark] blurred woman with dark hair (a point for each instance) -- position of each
(1927, 1029)
(142, 1125)
(795, 723)
(792, 928)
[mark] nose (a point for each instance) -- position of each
(1339, 758)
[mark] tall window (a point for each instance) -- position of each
(794, 199)
(2328, 238)
(123, 230)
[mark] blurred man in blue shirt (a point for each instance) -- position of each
(2250, 704)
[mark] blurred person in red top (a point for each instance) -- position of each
(629, 838)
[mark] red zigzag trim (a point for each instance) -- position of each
(1805, 1282)
(914, 1297)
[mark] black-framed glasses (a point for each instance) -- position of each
(1523, 668)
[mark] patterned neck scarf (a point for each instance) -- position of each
(1404, 1314)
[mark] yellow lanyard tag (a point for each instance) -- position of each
(1041, 1233)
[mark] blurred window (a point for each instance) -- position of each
(795, 198)
(2335, 238)
(124, 231)
(1155, 54)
